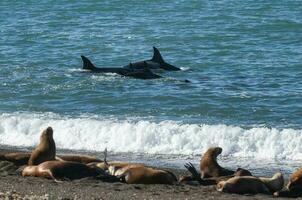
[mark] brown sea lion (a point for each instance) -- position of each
(243, 185)
(60, 170)
(21, 158)
(209, 166)
(250, 184)
(294, 186)
(46, 150)
(242, 172)
(18, 158)
(195, 176)
(274, 183)
(138, 174)
(295, 180)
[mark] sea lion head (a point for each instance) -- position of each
(213, 152)
(47, 133)
(221, 186)
(242, 172)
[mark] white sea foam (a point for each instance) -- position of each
(166, 137)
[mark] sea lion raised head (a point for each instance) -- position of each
(242, 172)
(46, 150)
(209, 166)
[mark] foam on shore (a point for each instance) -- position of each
(142, 136)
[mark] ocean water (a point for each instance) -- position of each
(243, 58)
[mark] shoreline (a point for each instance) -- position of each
(12, 184)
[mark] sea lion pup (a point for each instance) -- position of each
(209, 166)
(251, 184)
(139, 174)
(60, 170)
(46, 150)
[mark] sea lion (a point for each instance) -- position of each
(295, 180)
(250, 184)
(242, 172)
(209, 166)
(294, 186)
(195, 176)
(243, 185)
(18, 158)
(274, 183)
(59, 170)
(46, 150)
(138, 174)
(21, 158)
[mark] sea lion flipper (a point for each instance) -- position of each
(190, 167)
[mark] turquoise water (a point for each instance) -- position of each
(243, 58)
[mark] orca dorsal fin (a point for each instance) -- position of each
(156, 56)
(87, 63)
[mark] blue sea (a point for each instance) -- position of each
(243, 59)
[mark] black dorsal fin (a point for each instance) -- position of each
(105, 157)
(87, 63)
(156, 56)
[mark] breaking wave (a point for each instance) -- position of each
(143, 136)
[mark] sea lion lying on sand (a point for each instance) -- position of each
(46, 150)
(139, 174)
(195, 176)
(209, 166)
(18, 158)
(21, 158)
(251, 184)
(294, 186)
(60, 170)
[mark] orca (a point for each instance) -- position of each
(157, 62)
(142, 73)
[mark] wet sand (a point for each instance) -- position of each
(13, 185)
